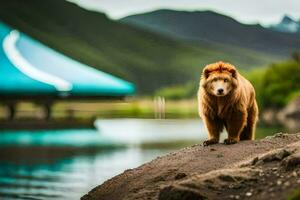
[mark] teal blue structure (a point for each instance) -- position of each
(29, 68)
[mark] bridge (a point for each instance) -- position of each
(29, 70)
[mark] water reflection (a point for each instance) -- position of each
(111, 133)
(65, 164)
(43, 173)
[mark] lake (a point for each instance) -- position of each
(66, 164)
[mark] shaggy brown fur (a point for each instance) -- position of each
(235, 108)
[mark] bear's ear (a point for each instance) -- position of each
(206, 73)
(233, 73)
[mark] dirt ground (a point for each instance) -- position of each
(260, 169)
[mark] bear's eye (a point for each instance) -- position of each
(225, 80)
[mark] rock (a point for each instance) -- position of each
(288, 116)
(227, 178)
(180, 193)
(219, 155)
(295, 174)
(198, 184)
(248, 167)
(248, 194)
(292, 161)
(269, 116)
(276, 155)
(180, 176)
(292, 110)
(158, 178)
(279, 182)
(287, 184)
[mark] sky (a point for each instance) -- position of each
(264, 12)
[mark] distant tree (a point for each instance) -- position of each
(281, 83)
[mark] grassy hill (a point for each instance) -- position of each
(214, 27)
(147, 59)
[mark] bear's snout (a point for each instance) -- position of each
(220, 91)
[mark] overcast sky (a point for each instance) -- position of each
(246, 11)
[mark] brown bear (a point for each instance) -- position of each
(227, 99)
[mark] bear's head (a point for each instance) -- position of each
(219, 79)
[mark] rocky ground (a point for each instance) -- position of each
(261, 169)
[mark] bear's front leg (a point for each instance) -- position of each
(214, 128)
(235, 124)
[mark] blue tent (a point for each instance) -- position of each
(31, 69)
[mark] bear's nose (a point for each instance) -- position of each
(220, 91)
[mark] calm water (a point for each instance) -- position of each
(65, 164)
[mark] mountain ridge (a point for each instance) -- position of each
(287, 24)
(215, 27)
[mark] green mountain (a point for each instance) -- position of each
(147, 59)
(214, 27)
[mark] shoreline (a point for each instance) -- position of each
(39, 124)
(199, 172)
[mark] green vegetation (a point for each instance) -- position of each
(277, 84)
(177, 92)
(149, 60)
(280, 84)
(256, 77)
